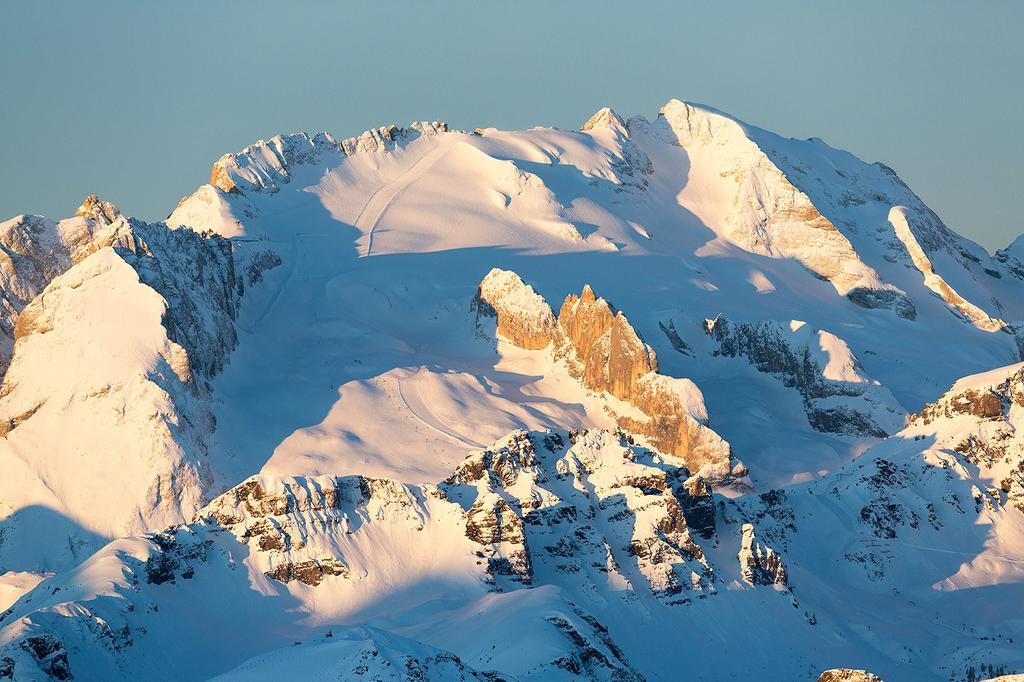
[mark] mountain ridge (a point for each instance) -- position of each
(336, 357)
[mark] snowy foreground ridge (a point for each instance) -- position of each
(669, 399)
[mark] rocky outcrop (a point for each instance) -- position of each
(603, 118)
(198, 277)
(310, 572)
(50, 655)
(1012, 258)
(602, 349)
(598, 346)
(586, 504)
(848, 675)
(34, 250)
(837, 394)
(288, 523)
(523, 316)
(760, 565)
(94, 208)
(629, 167)
(698, 505)
(980, 418)
(595, 657)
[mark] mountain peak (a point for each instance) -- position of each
(95, 208)
(689, 124)
(604, 118)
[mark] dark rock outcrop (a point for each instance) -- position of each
(850, 403)
(760, 565)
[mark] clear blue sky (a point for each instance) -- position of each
(134, 99)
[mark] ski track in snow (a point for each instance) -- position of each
(970, 555)
(413, 400)
(415, 172)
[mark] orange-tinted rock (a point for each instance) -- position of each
(219, 177)
(610, 354)
(523, 316)
(96, 209)
(602, 349)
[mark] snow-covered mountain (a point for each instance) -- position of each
(655, 399)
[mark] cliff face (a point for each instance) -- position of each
(848, 675)
(768, 213)
(908, 225)
(525, 318)
(837, 394)
(268, 164)
(528, 506)
(151, 313)
(980, 419)
(759, 564)
(602, 348)
(599, 347)
(34, 250)
(558, 511)
(521, 505)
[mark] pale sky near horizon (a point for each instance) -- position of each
(134, 100)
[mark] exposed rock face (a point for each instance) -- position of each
(848, 675)
(782, 207)
(50, 655)
(600, 348)
(590, 507)
(837, 394)
(595, 657)
(760, 564)
(902, 219)
(523, 316)
(34, 250)
(180, 552)
(629, 167)
(588, 504)
(1012, 258)
(771, 215)
(290, 523)
(988, 412)
(698, 506)
(146, 392)
(93, 208)
(310, 572)
(603, 118)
